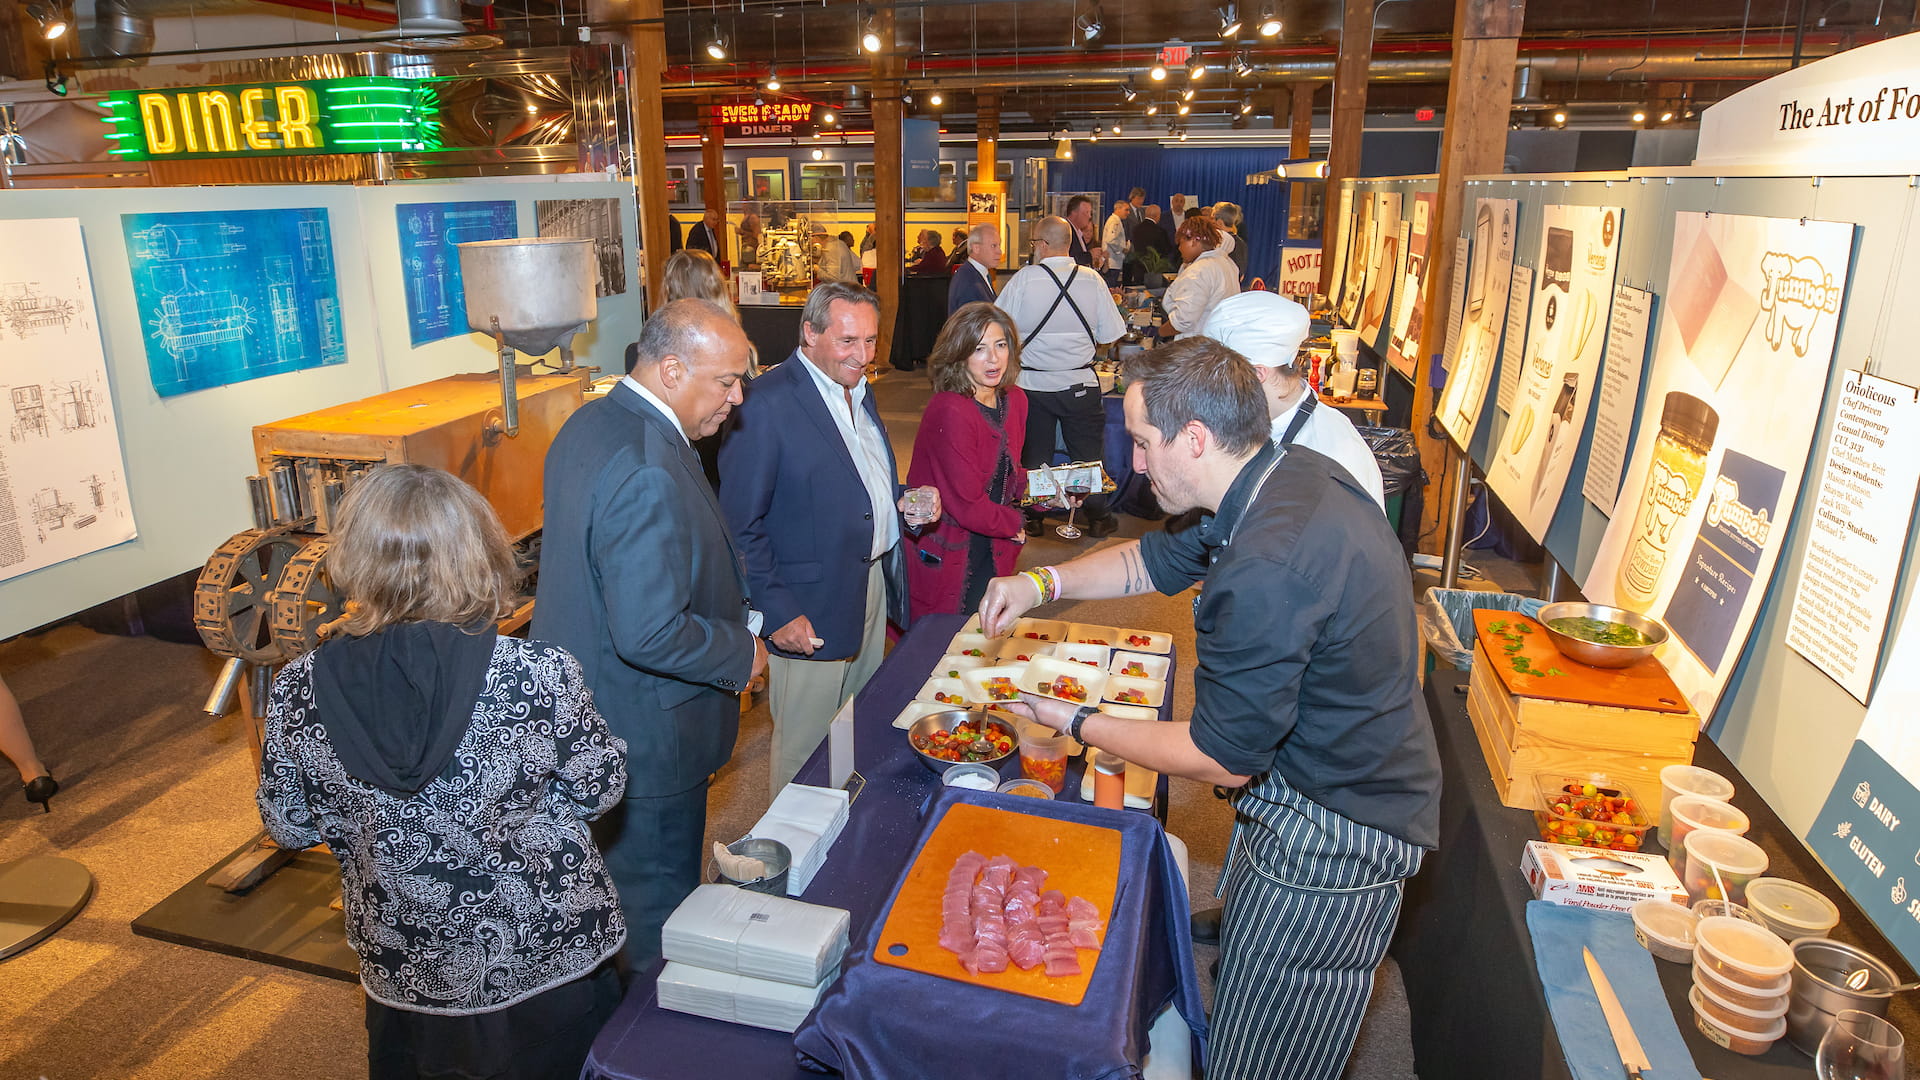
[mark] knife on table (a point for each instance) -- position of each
(1624, 1040)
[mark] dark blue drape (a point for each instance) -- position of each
(1212, 174)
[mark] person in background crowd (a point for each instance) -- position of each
(1227, 216)
(1113, 238)
(1206, 278)
(1306, 703)
(928, 259)
(640, 580)
(1085, 248)
(973, 279)
(693, 273)
(968, 447)
(837, 261)
(1197, 211)
(1177, 205)
(867, 241)
(750, 234)
(1136, 199)
(705, 236)
(1150, 236)
(435, 756)
(845, 238)
(675, 238)
(1064, 314)
(957, 255)
(17, 746)
(1267, 329)
(812, 495)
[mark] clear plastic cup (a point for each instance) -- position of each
(1719, 865)
(1677, 780)
(1043, 755)
(1686, 813)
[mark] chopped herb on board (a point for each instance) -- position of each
(1514, 634)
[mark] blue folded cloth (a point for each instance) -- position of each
(1559, 933)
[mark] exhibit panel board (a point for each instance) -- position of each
(1788, 726)
(187, 455)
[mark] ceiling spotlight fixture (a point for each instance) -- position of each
(1158, 72)
(1089, 24)
(1246, 105)
(773, 79)
(1666, 116)
(935, 99)
(56, 80)
(1639, 116)
(1185, 108)
(1187, 94)
(1183, 134)
(1241, 68)
(1196, 67)
(1094, 136)
(870, 37)
(1064, 147)
(826, 118)
(717, 45)
(1686, 114)
(1153, 108)
(1116, 129)
(818, 153)
(906, 99)
(1559, 118)
(52, 20)
(1129, 93)
(1269, 23)
(758, 100)
(1229, 21)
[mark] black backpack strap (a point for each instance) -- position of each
(1300, 417)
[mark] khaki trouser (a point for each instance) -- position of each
(805, 694)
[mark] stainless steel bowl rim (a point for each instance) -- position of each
(927, 724)
(1853, 958)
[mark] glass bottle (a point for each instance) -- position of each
(1674, 478)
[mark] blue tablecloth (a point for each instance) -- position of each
(885, 821)
(1146, 961)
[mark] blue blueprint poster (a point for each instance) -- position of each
(430, 263)
(234, 295)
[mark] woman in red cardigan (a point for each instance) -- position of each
(969, 447)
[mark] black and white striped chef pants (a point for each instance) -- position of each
(1311, 901)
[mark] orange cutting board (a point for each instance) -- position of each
(1645, 685)
(1080, 860)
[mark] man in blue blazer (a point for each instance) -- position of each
(973, 279)
(640, 582)
(810, 489)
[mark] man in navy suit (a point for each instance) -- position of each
(639, 581)
(811, 492)
(973, 279)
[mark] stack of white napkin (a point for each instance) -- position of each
(808, 820)
(750, 958)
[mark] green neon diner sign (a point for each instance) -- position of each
(337, 116)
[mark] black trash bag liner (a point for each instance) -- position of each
(1398, 455)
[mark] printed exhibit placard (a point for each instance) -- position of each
(1488, 277)
(1619, 389)
(1860, 520)
(1456, 299)
(1579, 250)
(1384, 279)
(1742, 354)
(1359, 255)
(1404, 348)
(63, 491)
(1519, 304)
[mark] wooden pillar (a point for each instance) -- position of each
(1486, 41)
(1301, 142)
(1349, 116)
(987, 135)
(889, 218)
(1300, 145)
(713, 183)
(646, 55)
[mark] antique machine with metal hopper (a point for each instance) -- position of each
(264, 598)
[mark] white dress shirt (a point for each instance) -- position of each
(1202, 283)
(867, 445)
(1059, 357)
(1330, 432)
(838, 262)
(1114, 236)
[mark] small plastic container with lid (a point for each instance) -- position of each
(1747, 997)
(1707, 909)
(1719, 865)
(1736, 1037)
(971, 774)
(1678, 780)
(1690, 812)
(1664, 929)
(1791, 909)
(1732, 1014)
(1020, 785)
(1741, 952)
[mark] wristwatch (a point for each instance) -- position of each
(1079, 717)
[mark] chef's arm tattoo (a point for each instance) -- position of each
(1137, 579)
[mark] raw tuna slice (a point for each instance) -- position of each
(1003, 860)
(988, 959)
(1053, 902)
(1078, 909)
(1028, 953)
(1032, 876)
(956, 937)
(1083, 936)
(1061, 966)
(1052, 924)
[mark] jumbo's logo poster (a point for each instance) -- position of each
(1797, 290)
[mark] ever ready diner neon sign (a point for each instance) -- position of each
(337, 116)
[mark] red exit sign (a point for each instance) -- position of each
(1423, 114)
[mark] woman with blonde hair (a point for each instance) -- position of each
(691, 272)
(1207, 276)
(452, 771)
(968, 447)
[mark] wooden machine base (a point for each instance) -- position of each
(286, 920)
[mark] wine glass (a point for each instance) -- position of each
(1861, 1046)
(1067, 531)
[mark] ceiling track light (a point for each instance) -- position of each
(1153, 108)
(1116, 128)
(1241, 67)
(1129, 93)
(818, 153)
(1229, 21)
(826, 118)
(1089, 25)
(870, 36)
(1183, 134)
(1639, 116)
(935, 99)
(1269, 23)
(56, 80)
(773, 79)
(1185, 108)
(1187, 94)
(717, 45)
(1158, 72)
(1666, 116)
(1196, 67)
(51, 17)
(1246, 105)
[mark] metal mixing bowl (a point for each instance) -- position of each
(947, 720)
(1593, 653)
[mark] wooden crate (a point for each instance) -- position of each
(1524, 737)
(442, 423)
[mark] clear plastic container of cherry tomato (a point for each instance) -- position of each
(1590, 811)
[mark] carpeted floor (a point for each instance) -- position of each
(155, 792)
